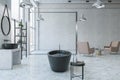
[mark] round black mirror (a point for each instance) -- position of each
(5, 25)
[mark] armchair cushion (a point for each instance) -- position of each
(83, 47)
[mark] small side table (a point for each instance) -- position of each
(98, 51)
(76, 64)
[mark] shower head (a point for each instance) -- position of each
(26, 4)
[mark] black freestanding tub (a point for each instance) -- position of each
(59, 60)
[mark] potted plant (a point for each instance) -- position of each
(20, 24)
(20, 32)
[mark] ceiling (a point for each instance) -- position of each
(75, 1)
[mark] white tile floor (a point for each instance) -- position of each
(36, 67)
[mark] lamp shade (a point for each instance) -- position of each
(26, 4)
(82, 18)
(40, 18)
(98, 4)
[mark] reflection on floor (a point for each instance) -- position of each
(36, 67)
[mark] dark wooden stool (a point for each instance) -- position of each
(76, 64)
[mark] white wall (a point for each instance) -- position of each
(102, 25)
(57, 29)
(2, 2)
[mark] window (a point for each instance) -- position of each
(32, 30)
(16, 11)
(16, 14)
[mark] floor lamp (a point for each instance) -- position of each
(82, 18)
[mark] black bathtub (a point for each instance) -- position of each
(59, 60)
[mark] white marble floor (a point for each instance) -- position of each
(36, 67)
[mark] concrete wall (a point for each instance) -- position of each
(58, 29)
(102, 25)
(2, 2)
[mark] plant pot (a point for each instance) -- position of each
(59, 60)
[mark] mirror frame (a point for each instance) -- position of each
(9, 25)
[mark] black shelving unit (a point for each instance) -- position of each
(20, 37)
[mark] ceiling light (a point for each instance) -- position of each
(98, 4)
(26, 4)
(69, 0)
(109, 1)
(87, 0)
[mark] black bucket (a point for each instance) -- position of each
(59, 60)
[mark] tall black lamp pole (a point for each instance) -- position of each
(76, 34)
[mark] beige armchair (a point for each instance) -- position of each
(84, 48)
(113, 47)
